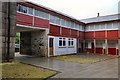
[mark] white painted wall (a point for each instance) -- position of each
(62, 51)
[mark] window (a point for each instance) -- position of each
(57, 20)
(115, 25)
(41, 14)
(87, 28)
(75, 25)
(103, 26)
(109, 26)
(92, 27)
(52, 19)
(36, 13)
(72, 24)
(97, 27)
(30, 11)
(62, 42)
(67, 23)
(22, 8)
(80, 27)
(70, 42)
(62, 22)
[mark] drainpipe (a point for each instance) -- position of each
(8, 41)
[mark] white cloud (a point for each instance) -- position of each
(82, 8)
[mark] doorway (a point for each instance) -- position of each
(51, 47)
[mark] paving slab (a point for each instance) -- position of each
(103, 69)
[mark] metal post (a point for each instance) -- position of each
(94, 46)
(106, 46)
(119, 47)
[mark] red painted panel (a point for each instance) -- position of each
(74, 33)
(89, 50)
(54, 30)
(38, 22)
(100, 35)
(99, 50)
(65, 31)
(119, 34)
(50, 11)
(112, 51)
(23, 19)
(89, 35)
(81, 35)
(112, 35)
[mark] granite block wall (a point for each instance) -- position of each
(4, 29)
(34, 43)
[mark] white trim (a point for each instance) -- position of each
(102, 30)
(32, 15)
(24, 13)
(53, 45)
(30, 27)
(41, 17)
(33, 23)
(48, 48)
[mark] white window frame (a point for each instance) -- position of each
(63, 40)
(70, 42)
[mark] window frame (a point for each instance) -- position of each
(70, 42)
(63, 42)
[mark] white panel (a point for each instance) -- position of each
(117, 46)
(66, 50)
(89, 44)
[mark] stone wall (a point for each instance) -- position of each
(4, 28)
(39, 42)
(34, 43)
(25, 43)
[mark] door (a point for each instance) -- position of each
(92, 48)
(51, 48)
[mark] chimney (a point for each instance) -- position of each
(98, 14)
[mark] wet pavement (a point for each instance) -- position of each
(103, 69)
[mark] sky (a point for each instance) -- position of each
(82, 9)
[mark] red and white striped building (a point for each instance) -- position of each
(67, 35)
(102, 34)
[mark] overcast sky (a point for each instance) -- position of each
(81, 9)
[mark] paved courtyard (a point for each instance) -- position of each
(102, 69)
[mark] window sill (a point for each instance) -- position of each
(71, 47)
(62, 47)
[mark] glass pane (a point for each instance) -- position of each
(64, 43)
(60, 42)
(68, 43)
(36, 13)
(72, 43)
(109, 26)
(30, 11)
